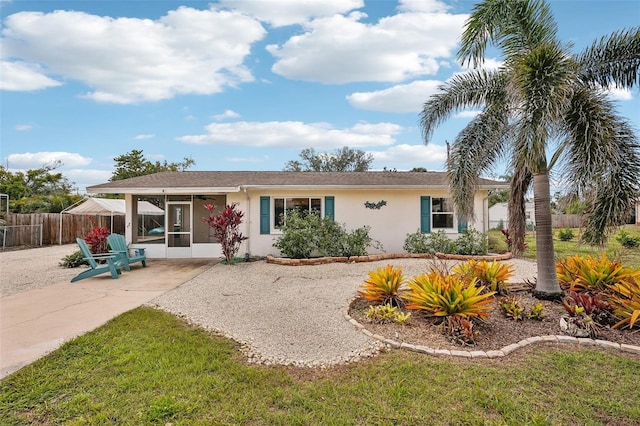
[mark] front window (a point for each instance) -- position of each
(442, 213)
(304, 205)
(150, 220)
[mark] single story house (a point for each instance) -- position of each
(392, 204)
(499, 215)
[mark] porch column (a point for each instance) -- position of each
(130, 218)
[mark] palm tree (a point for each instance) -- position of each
(544, 106)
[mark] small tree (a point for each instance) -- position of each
(226, 229)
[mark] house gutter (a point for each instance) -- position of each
(247, 254)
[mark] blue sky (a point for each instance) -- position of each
(241, 85)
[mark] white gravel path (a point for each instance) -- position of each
(285, 314)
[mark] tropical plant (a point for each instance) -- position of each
(625, 298)
(493, 275)
(226, 229)
(96, 239)
(444, 295)
(384, 314)
(383, 285)
(511, 308)
(537, 312)
(542, 99)
(460, 330)
(593, 274)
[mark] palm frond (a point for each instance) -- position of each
(612, 60)
(617, 189)
(513, 26)
(471, 89)
(475, 150)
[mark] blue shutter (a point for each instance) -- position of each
(329, 206)
(265, 213)
(425, 214)
(462, 225)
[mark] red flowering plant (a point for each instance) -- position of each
(97, 240)
(226, 230)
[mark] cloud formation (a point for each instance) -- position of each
(430, 156)
(279, 13)
(342, 49)
(295, 134)
(130, 60)
(400, 98)
(34, 160)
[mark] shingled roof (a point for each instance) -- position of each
(230, 181)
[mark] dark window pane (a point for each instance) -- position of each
(443, 220)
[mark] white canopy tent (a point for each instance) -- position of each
(107, 207)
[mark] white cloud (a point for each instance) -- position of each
(23, 77)
(423, 6)
(23, 127)
(227, 114)
(32, 160)
(287, 12)
(341, 49)
(467, 114)
(401, 98)
(619, 94)
(141, 137)
(406, 157)
(295, 134)
(130, 60)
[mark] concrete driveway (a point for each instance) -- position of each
(37, 321)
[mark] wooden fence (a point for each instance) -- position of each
(20, 229)
(566, 220)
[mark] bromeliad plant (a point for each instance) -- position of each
(383, 285)
(625, 300)
(383, 314)
(447, 295)
(592, 274)
(511, 308)
(492, 275)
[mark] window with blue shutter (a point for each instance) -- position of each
(329, 206)
(462, 225)
(425, 214)
(265, 211)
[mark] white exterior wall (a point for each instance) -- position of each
(389, 225)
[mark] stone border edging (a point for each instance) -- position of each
(285, 261)
(500, 353)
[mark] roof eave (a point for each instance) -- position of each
(156, 191)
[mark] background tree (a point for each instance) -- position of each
(542, 99)
(134, 164)
(37, 190)
(418, 169)
(342, 160)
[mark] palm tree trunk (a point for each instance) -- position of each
(547, 286)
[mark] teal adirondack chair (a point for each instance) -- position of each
(118, 245)
(113, 264)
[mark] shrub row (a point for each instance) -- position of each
(471, 242)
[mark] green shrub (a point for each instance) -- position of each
(628, 241)
(299, 234)
(418, 242)
(73, 260)
(305, 235)
(472, 242)
(435, 242)
(565, 234)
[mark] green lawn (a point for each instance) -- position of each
(613, 249)
(148, 367)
